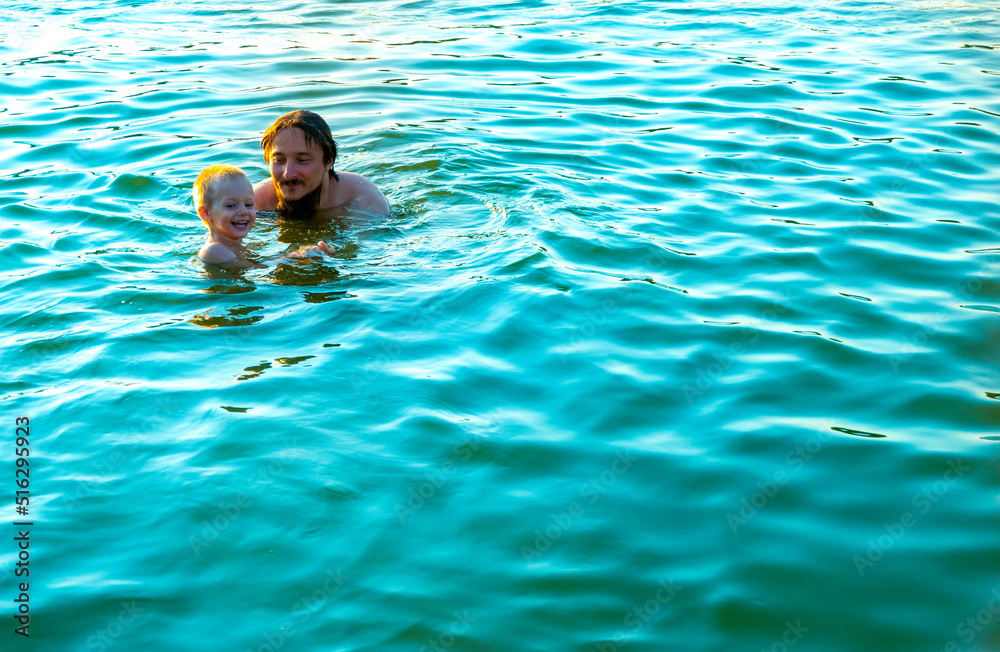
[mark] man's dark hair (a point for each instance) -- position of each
(315, 129)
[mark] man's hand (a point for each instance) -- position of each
(311, 251)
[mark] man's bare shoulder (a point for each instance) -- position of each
(359, 193)
(264, 196)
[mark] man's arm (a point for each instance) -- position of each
(264, 197)
(309, 251)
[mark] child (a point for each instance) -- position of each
(223, 198)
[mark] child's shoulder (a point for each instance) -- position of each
(216, 252)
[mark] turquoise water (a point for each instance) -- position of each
(682, 334)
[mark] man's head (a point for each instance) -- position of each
(300, 151)
(224, 200)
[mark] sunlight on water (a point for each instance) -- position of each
(682, 333)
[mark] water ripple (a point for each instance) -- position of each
(692, 295)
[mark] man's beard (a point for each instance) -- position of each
(298, 209)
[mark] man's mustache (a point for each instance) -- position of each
(298, 209)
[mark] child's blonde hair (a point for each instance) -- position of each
(208, 180)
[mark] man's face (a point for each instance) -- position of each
(297, 167)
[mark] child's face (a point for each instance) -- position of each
(231, 213)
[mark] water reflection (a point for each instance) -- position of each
(229, 289)
(254, 371)
(328, 225)
(235, 316)
(858, 433)
(288, 362)
(308, 272)
(324, 297)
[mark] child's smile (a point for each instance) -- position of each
(231, 214)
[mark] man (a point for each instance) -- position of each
(300, 150)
